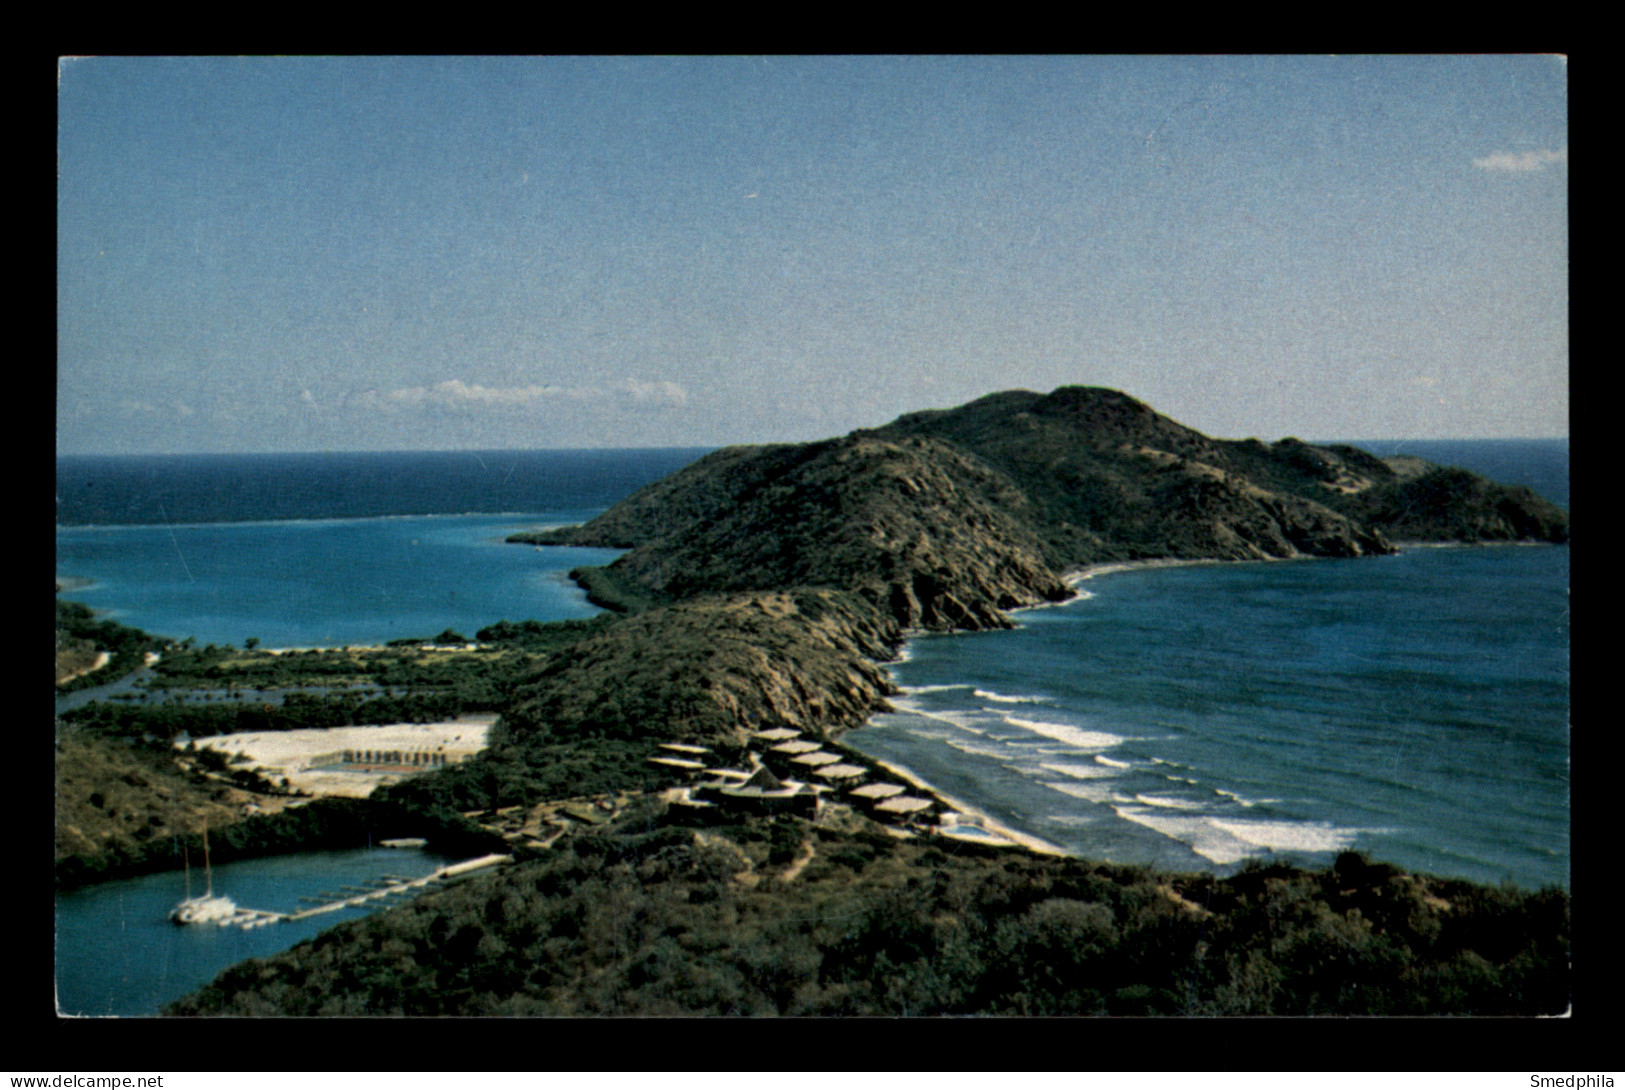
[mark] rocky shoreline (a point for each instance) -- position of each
(767, 584)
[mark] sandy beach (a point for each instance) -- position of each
(288, 753)
(1079, 575)
(102, 659)
(1073, 579)
(359, 647)
(987, 822)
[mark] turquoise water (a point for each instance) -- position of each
(323, 550)
(299, 582)
(326, 582)
(117, 953)
(1414, 706)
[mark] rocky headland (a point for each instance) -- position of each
(766, 586)
(768, 581)
(707, 669)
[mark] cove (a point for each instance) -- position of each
(118, 954)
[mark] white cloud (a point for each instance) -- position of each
(455, 391)
(667, 392)
(1521, 162)
(455, 395)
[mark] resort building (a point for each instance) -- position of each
(761, 793)
(411, 758)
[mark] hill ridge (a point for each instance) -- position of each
(946, 520)
(951, 517)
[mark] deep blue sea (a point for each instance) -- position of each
(1414, 706)
(186, 488)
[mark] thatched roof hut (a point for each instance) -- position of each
(681, 764)
(841, 772)
(764, 780)
(684, 747)
(777, 734)
(904, 804)
(878, 790)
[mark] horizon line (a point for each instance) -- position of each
(721, 446)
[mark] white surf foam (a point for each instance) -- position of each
(1001, 698)
(1109, 763)
(980, 751)
(1089, 792)
(1226, 842)
(1168, 802)
(958, 720)
(1197, 834)
(1063, 732)
(931, 688)
(1079, 595)
(1290, 836)
(1080, 772)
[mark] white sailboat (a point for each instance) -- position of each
(206, 908)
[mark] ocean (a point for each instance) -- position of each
(1413, 706)
(327, 550)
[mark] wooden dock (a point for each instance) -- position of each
(358, 896)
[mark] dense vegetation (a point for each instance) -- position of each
(477, 679)
(948, 518)
(112, 798)
(765, 585)
(80, 638)
(651, 919)
(323, 824)
(514, 773)
(330, 688)
(702, 670)
(126, 799)
(173, 718)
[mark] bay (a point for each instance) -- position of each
(328, 550)
(325, 582)
(118, 954)
(1415, 707)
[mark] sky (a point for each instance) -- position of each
(324, 254)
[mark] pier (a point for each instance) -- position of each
(358, 896)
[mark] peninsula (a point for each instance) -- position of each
(762, 591)
(769, 580)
